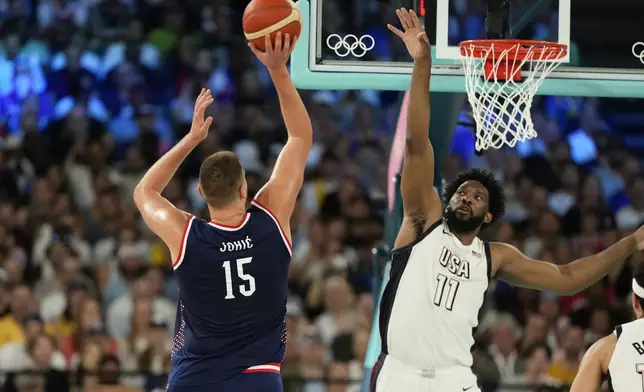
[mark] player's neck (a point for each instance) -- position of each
(466, 238)
(230, 216)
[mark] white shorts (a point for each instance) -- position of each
(395, 376)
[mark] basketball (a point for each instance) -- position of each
(268, 17)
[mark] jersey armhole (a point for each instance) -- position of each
(488, 256)
(618, 331)
(268, 212)
(421, 237)
(184, 241)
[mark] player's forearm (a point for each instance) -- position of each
(418, 109)
(584, 272)
(296, 118)
(160, 174)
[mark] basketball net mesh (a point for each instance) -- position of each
(501, 105)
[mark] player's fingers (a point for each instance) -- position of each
(407, 18)
(204, 106)
(423, 37)
(206, 124)
(292, 45)
(286, 48)
(395, 30)
(415, 20)
(268, 44)
(401, 18)
(278, 42)
(201, 94)
(404, 19)
(200, 99)
(254, 49)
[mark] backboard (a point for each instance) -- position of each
(604, 57)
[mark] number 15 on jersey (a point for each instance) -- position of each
(247, 288)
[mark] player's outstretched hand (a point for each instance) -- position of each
(276, 55)
(200, 126)
(413, 34)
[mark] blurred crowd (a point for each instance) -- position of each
(92, 92)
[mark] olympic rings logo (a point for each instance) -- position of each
(350, 44)
(638, 46)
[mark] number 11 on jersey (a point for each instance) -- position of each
(445, 297)
(245, 291)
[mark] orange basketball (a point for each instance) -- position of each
(267, 17)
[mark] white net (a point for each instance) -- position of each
(500, 104)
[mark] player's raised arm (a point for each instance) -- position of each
(520, 270)
(594, 365)
(161, 216)
(421, 204)
(280, 193)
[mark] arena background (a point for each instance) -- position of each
(92, 92)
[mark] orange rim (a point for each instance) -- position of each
(543, 50)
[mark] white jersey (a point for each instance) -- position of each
(626, 367)
(431, 304)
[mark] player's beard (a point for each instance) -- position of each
(459, 225)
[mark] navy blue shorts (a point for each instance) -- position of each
(245, 382)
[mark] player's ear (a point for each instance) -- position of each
(200, 190)
(636, 304)
(488, 218)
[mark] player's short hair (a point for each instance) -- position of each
(638, 275)
(496, 199)
(220, 176)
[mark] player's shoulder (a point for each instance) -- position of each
(607, 343)
(502, 252)
(503, 249)
(266, 220)
(260, 209)
(603, 349)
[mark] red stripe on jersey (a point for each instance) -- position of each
(279, 225)
(183, 241)
(272, 367)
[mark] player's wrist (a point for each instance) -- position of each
(193, 140)
(278, 71)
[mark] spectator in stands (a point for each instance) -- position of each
(340, 315)
(631, 216)
(566, 363)
(535, 331)
(503, 348)
(21, 303)
(536, 360)
(18, 356)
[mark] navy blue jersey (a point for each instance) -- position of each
(232, 299)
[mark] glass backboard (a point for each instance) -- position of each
(350, 37)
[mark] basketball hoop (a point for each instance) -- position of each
(501, 78)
